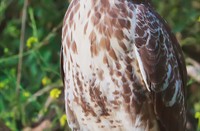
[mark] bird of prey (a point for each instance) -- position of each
(122, 68)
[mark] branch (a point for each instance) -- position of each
(43, 90)
(23, 27)
(193, 69)
(44, 125)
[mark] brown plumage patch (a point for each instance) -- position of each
(79, 83)
(85, 28)
(118, 65)
(105, 60)
(100, 74)
(109, 32)
(111, 73)
(94, 50)
(70, 10)
(86, 108)
(64, 32)
(71, 16)
(108, 21)
(74, 48)
(124, 80)
(75, 10)
(116, 92)
(113, 13)
(126, 88)
(105, 3)
(105, 43)
(124, 23)
(92, 37)
(128, 60)
(113, 54)
(98, 15)
(95, 95)
(68, 42)
(111, 121)
(123, 46)
(127, 98)
(113, 126)
(95, 20)
(89, 12)
(119, 34)
(118, 74)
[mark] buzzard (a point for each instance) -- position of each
(122, 68)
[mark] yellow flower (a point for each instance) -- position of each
(55, 93)
(31, 41)
(26, 94)
(198, 19)
(63, 120)
(6, 50)
(45, 81)
(197, 115)
(2, 85)
(8, 123)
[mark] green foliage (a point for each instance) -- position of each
(40, 69)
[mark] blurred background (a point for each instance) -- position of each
(31, 91)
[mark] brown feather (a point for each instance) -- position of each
(156, 58)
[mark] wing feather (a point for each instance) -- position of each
(162, 66)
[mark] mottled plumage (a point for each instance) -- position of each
(122, 68)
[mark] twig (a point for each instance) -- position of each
(41, 92)
(193, 69)
(46, 105)
(44, 90)
(22, 37)
(44, 125)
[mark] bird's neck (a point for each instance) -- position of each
(93, 3)
(108, 3)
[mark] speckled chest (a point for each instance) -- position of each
(103, 84)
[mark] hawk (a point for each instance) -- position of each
(122, 68)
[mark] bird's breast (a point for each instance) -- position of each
(103, 84)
